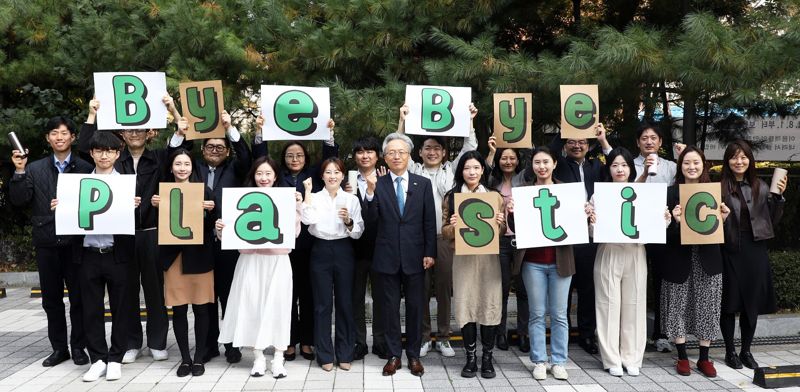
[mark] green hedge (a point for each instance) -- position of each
(786, 270)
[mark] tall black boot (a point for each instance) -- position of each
(487, 344)
(470, 334)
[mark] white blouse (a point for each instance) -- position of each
(322, 216)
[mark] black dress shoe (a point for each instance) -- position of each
(747, 360)
(79, 357)
(55, 358)
(289, 357)
(380, 352)
(198, 369)
(308, 356)
(732, 360)
(360, 352)
(184, 369)
(588, 345)
(210, 354)
(502, 343)
(233, 355)
(524, 344)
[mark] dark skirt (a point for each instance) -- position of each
(747, 278)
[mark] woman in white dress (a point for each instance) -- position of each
(260, 302)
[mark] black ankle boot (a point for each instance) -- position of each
(471, 367)
(470, 334)
(487, 368)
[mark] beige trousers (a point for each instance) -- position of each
(620, 286)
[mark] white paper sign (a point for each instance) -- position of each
(131, 100)
(258, 218)
(438, 110)
(295, 113)
(95, 204)
(630, 213)
(550, 215)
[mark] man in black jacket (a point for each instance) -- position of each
(221, 170)
(147, 164)
(576, 167)
(35, 184)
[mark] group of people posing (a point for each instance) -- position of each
(392, 230)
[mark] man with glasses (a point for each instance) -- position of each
(147, 164)
(221, 170)
(439, 171)
(576, 167)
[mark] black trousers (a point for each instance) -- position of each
(302, 297)
(413, 286)
(56, 269)
(361, 274)
(224, 267)
(583, 283)
(146, 268)
(332, 267)
(98, 272)
(180, 326)
(508, 279)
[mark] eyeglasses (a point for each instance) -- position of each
(214, 148)
(396, 153)
(292, 157)
(104, 153)
(576, 143)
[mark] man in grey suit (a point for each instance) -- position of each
(403, 208)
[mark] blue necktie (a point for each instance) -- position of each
(401, 196)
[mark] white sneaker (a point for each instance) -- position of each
(131, 355)
(662, 345)
(445, 348)
(423, 350)
(278, 371)
(540, 371)
(633, 371)
(159, 355)
(97, 370)
(260, 367)
(615, 371)
(559, 373)
(113, 371)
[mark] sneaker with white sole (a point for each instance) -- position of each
(113, 371)
(131, 355)
(259, 367)
(445, 348)
(423, 350)
(159, 355)
(633, 371)
(663, 346)
(97, 370)
(559, 372)
(278, 371)
(615, 371)
(540, 371)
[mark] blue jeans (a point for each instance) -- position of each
(547, 293)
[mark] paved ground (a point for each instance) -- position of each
(24, 344)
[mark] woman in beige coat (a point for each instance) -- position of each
(477, 281)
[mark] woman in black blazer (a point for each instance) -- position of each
(189, 272)
(747, 274)
(691, 287)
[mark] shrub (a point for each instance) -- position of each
(786, 269)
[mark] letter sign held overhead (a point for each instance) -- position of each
(295, 113)
(579, 111)
(130, 100)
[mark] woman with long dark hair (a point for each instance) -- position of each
(747, 275)
(691, 286)
(189, 272)
(477, 280)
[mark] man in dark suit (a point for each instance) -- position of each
(576, 167)
(221, 170)
(405, 246)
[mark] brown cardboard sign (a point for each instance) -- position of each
(477, 232)
(203, 105)
(513, 120)
(180, 213)
(701, 217)
(579, 111)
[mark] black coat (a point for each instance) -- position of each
(403, 241)
(197, 259)
(765, 212)
(37, 187)
(230, 174)
(567, 170)
(677, 263)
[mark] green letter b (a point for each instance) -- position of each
(436, 106)
(129, 100)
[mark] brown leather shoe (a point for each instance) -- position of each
(416, 367)
(391, 366)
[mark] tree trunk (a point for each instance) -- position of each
(576, 12)
(690, 119)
